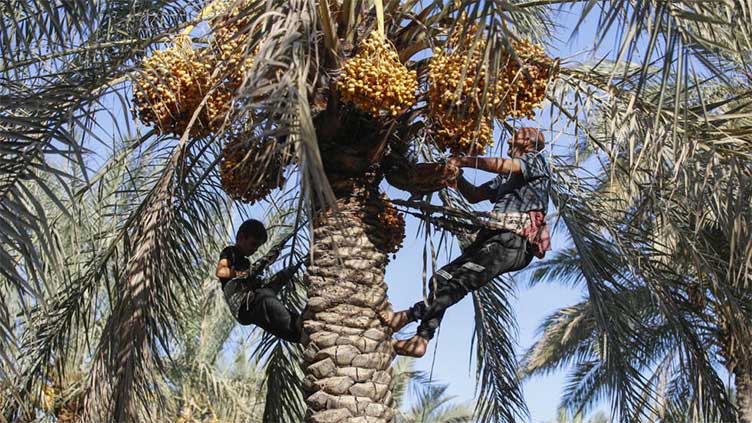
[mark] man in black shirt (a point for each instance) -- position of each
(250, 302)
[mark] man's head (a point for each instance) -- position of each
(251, 235)
(526, 140)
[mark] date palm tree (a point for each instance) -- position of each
(570, 339)
(277, 84)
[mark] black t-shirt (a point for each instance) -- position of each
(238, 262)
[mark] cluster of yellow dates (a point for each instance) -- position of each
(386, 224)
(456, 85)
(230, 37)
(171, 87)
(393, 225)
(376, 81)
(524, 87)
(65, 404)
(175, 81)
(250, 170)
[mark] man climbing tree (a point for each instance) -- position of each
(250, 301)
(516, 233)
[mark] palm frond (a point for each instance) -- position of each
(284, 399)
(563, 267)
(197, 380)
(675, 33)
(58, 61)
(635, 329)
(611, 317)
(435, 406)
(500, 397)
(587, 386)
(406, 380)
(565, 336)
(85, 255)
(159, 268)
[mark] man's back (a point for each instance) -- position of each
(522, 192)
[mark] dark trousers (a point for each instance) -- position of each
(492, 253)
(262, 307)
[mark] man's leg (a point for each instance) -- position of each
(239, 297)
(397, 320)
(268, 313)
(478, 265)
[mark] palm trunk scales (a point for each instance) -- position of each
(743, 375)
(347, 359)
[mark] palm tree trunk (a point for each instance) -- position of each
(736, 362)
(743, 375)
(347, 360)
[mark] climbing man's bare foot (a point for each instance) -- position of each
(413, 347)
(395, 321)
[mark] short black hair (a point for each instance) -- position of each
(252, 228)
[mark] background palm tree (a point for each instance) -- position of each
(429, 402)
(570, 339)
(67, 71)
(664, 265)
(201, 382)
(562, 416)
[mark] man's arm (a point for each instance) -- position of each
(471, 193)
(281, 278)
(488, 164)
(225, 270)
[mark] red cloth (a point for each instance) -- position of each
(537, 234)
